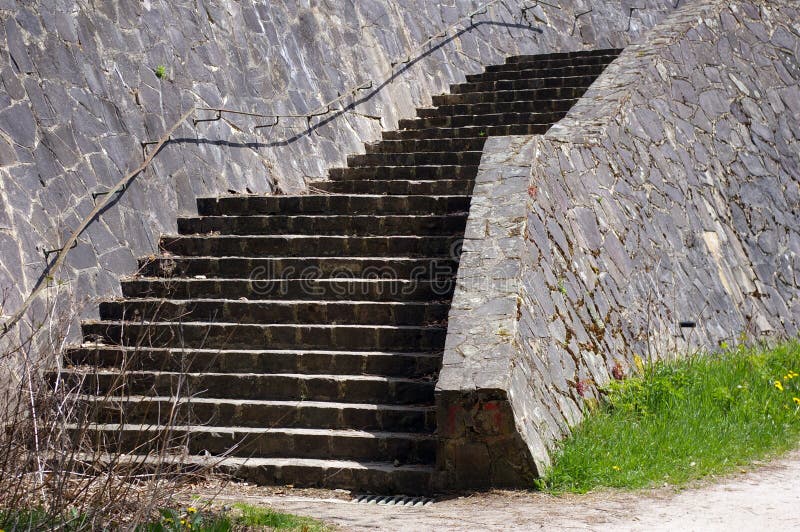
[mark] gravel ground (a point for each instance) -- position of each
(767, 497)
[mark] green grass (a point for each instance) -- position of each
(683, 420)
(245, 516)
(260, 516)
(38, 519)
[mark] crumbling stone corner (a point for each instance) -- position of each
(479, 443)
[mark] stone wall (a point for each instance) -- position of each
(80, 92)
(660, 217)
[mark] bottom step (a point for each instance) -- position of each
(374, 477)
(326, 444)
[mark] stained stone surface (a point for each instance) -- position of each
(670, 193)
(79, 94)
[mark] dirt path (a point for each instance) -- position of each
(767, 498)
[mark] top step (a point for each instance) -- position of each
(594, 60)
(564, 55)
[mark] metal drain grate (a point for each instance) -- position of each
(393, 500)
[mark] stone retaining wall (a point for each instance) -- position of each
(80, 92)
(660, 217)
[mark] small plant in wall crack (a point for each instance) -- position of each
(561, 287)
(503, 332)
(160, 71)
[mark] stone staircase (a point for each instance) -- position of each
(303, 334)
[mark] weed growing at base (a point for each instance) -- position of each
(244, 517)
(685, 419)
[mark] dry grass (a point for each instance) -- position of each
(54, 473)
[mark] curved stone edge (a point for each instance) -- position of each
(669, 194)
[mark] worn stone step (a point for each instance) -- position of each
(535, 62)
(458, 121)
(433, 187)
(287, 361)
(474, 131)
(331, 204)
(298, 267)
(564, 55)
(319, 224)
(282, 336)
(269, 442)
(456, 158)
(537, 73)
(425, 145)
(371, 477)
(391, 173)
(304, 245)
(274, 387)
(497, 108)
(143, 409)
(275, 312)
(440, 288)
(522, 84)
(555, 93)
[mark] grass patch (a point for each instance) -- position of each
(682, 420)
(39, 519)
(242, 517)
(260, 516)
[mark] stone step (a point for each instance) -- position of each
(537, 73)
(275, 387)
(426, 145)
(435, 187)
(371, 477)
(522, 84)
(297, 267)
(331, 204)
(318, 224)
(304, 245)
(288, 361)
(440, 288)
(406, 447)
(250, 413)
(538, 63)
(477, 131)
(283, 336)
(391, 173)
(276, 312)
(564, 55)
(555, 93)
(455, 158)
(497, 108)
(458, 121)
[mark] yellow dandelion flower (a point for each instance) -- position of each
(616, 468)
(779, 385)
(191, 510)
(795, 399)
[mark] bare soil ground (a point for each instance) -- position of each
(766, 497)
